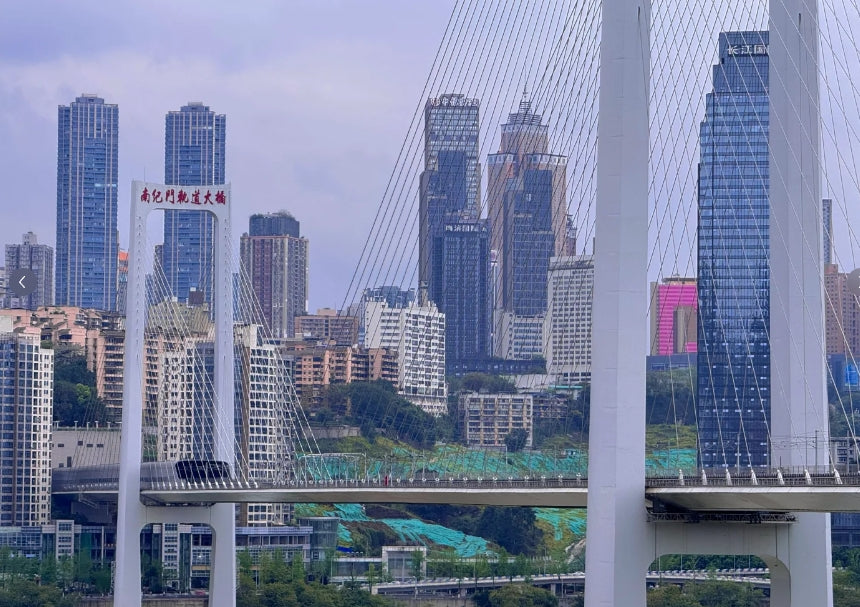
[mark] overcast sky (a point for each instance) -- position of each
(318, 94)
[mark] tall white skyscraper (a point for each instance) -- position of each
(26, 407)
(417, 333)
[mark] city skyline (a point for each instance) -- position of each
(277, 93)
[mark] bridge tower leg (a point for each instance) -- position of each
(799, 412)
(618, 533)
(132, 514)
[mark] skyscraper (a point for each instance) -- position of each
(26, 407)
(527, 210)
(39, 258)
(194, 152)
(733, 360)
(454, 254)
(465, 297)
(275, 261)
(450, 183)
(87, 247)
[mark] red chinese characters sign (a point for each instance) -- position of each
(168, 196)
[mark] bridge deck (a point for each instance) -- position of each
(767, 492)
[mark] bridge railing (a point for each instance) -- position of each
(778, 477)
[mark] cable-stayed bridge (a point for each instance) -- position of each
(687, 498)
(632, 183)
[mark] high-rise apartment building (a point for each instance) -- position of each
(417, 333)
(488, 419)
(328, 326)
(841, 314)
(26, 411)
(673, 316)
(733, 363)
(39, 259)
(194, 154)
(99, 335)
(528, 217)
(87, 246)
(275, 264)
(567, 326)
(264, 441)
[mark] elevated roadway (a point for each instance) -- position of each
(719, 491)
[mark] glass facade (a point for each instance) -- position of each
(733, 346)
(451, 125)
(194, 150)
(465, 297)
(454, 256)
(532, 242)
(87, 246)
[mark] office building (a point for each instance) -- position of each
(87, 246)
(454, 252)
(567, 327)
(673, 316)
(26, 411)
(733, 392)
(464, 297)
(39, 259)
(528, 218)
(275, 267)
(194, 154)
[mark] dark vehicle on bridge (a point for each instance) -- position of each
(198, 470)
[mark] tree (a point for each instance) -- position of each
(670, 596)
(513, 528)
(416, 566)
(75, 395)
(516, 440)
(714, 593)
(521, 595)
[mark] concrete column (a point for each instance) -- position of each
(222, 583)
(799, 416)
(130, 512)
(618, 552)
(222, 580)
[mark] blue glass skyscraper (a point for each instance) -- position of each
(454, 255)
(733, 362)
(194, 150)
(87, 247)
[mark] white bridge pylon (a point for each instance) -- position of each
(622, 542)
(132, 514)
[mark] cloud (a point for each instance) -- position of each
(314, 121)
